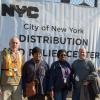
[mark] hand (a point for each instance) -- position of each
(86, 83)
(24, 93)
(0, 92)
(51, 94)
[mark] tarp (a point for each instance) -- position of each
(51, 26)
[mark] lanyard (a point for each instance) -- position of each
(63, 69)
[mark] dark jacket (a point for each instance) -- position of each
(41, 75)
(56, 82)
(83, 71)
(94, 79)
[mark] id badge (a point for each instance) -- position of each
(77, 78)
(65, 80)
(15, 69)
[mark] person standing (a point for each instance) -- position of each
(82, 69)
(36, 70)
(60, 77)
(11, 65)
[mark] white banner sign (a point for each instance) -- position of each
(51, 26)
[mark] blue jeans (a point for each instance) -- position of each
(76, 91)
(60, 95)
(76, 94)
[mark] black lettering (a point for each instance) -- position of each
(75, 54)
(7, 10)
(30, 52)
(78, 41)
(30, 10)
(22, 38)
(56, 40)
(62, 41)
(44, 53)
(69, 53)
(39, 39)
(92, 55)
(53, 28)
(54, 53)
(20, 11)
(69, 40)
(85, 42)
(97, 55)
(50, 39)
(46, 39)
(33, 39)
(28, 38)
(26, 26)
(22, 50)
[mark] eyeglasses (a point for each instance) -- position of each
(37, 54)
(63, 55)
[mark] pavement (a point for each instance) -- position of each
(67, 98)
(71, 98)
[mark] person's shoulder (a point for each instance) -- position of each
(67, 62)
(5, 51)
(89, 61)
(55, 62)
(75, 61)
(28, 62)
(45, 64)
(20, 52)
